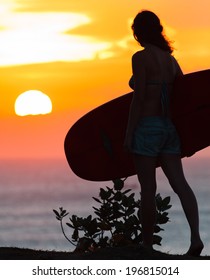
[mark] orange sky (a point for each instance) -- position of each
(78, 53)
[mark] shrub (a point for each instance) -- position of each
(117, 220)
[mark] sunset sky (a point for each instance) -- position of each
(78, 52)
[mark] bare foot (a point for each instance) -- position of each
(195, 249)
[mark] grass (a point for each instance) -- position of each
(117, 253)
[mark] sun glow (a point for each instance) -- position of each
(33, 102)
(45, 37)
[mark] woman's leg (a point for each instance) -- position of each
(146, 168)
(172, 167)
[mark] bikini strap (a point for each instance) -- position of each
(164, 99)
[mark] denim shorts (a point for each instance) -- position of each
(154, 136)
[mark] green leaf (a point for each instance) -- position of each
(63, 212)
(103, 194)
(56, 213)
(157, 240)
(104, 226)
(70, 225)
(65, 215)
(118, 184)
(75, 235)
(89, 218)
(158, 229)
(97, 213)
(165, 203)
(109, 189)
(74, 219)
(97, 200)
(162, 218)
(127, 191)
(118, 196)
(130, 211)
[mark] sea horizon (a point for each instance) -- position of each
(31, 188)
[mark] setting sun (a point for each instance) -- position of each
(33, 102)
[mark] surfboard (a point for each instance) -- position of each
(94, 144)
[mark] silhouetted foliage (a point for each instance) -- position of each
(117, 220)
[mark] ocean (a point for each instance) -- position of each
(31, 189)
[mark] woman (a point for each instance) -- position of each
(151, 136)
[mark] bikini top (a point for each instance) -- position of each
(164, 93)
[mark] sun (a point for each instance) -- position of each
(33, 102)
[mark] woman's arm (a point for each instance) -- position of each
(139, 76)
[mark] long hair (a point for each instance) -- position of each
(148, 29)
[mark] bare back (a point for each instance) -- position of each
(160, 68)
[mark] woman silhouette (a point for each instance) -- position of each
(151, 135)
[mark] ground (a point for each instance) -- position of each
(118, 253)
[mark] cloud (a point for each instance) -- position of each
(105, 34)
(108, 31)
(46, 5)
(37, 38)
(175, 12)
(108, 18)
(90, 6)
